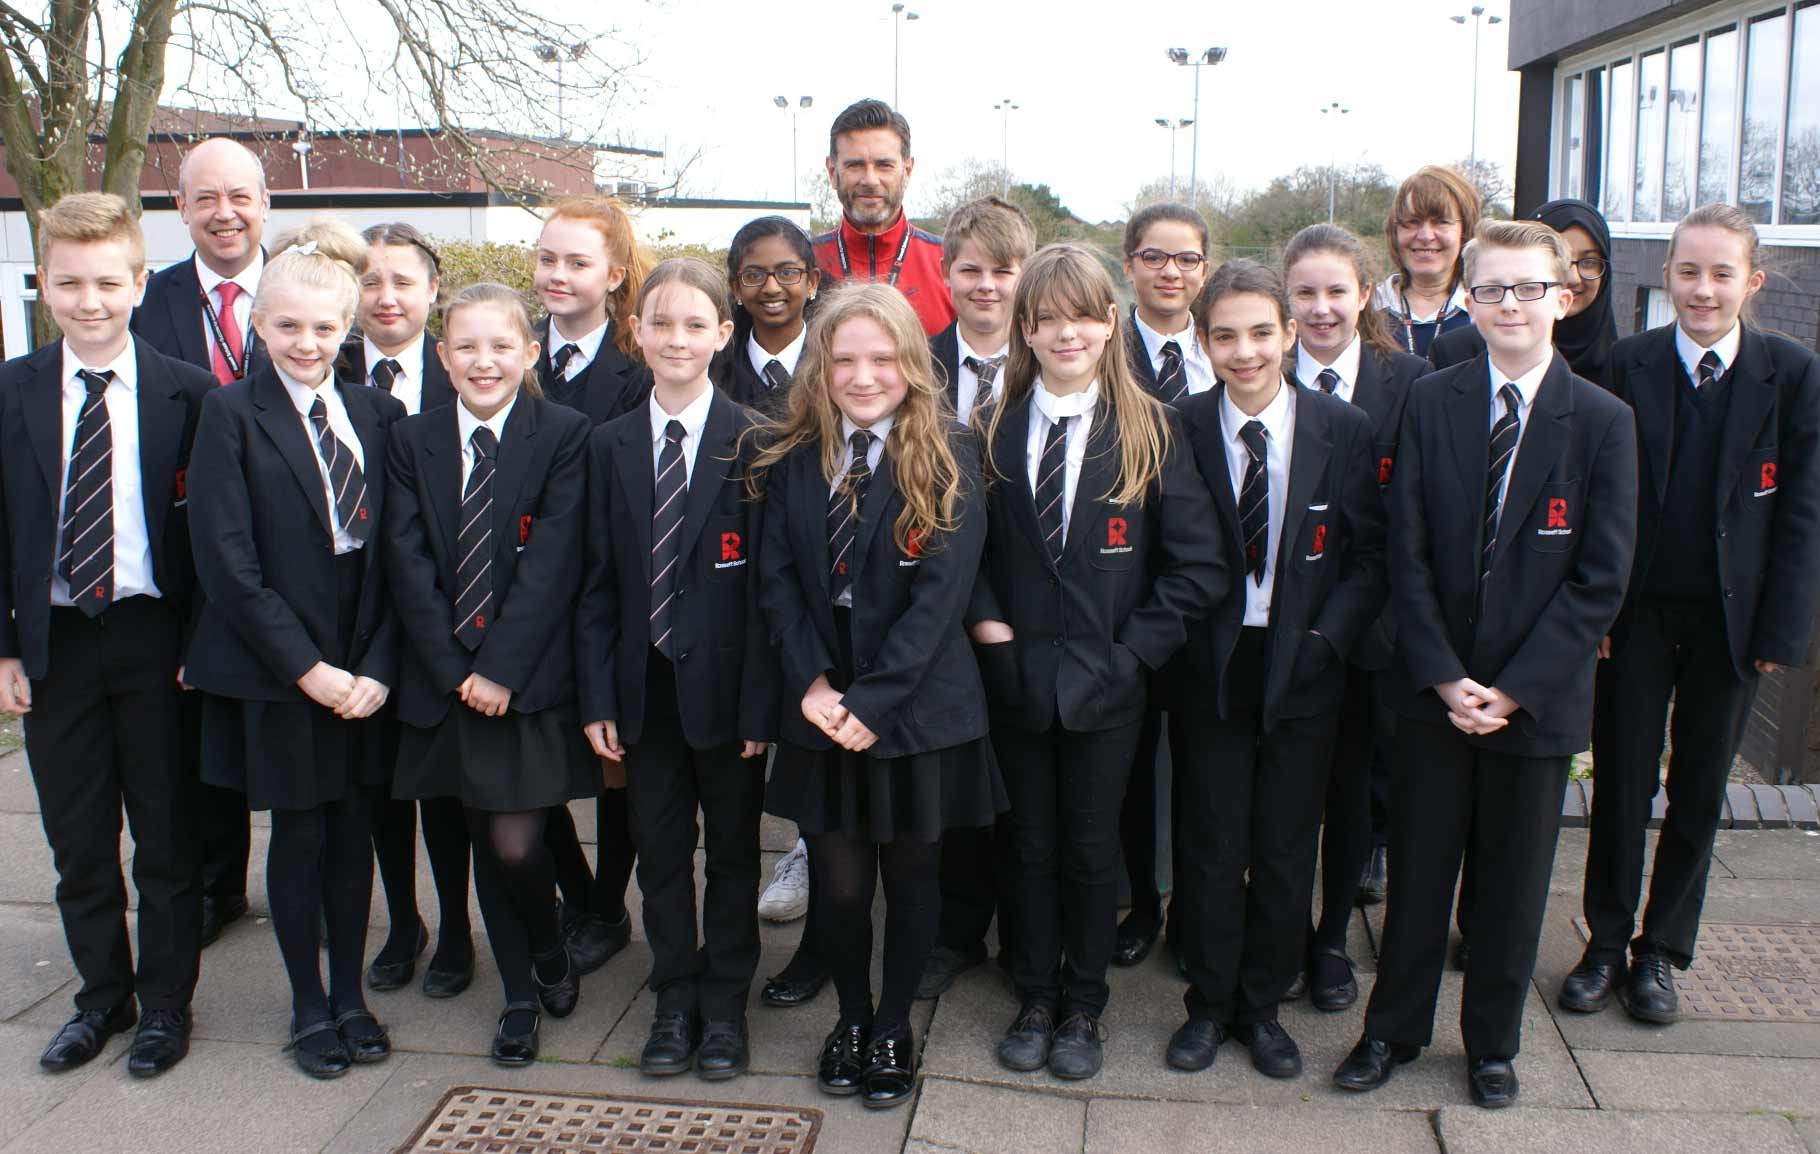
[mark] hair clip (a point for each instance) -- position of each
(307, 248)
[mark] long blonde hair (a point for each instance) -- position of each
(923, 461)
(1069, 279)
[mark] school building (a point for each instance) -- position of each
(1649, 108)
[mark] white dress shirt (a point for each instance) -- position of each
(304, 398)
(248, 280)
(1046, 408)
(1527, 386)
(880, 429)
(1691, 352)
(1196, 366)
(1278, 419)
(586, 348)
(1345, 366)
(407, 382)
(465, 424)
(786, 356)
(132, 542)
(967, 382)
(693, 417)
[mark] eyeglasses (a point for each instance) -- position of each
(786, 275)
(1592, 267)
(1529, 290)
(1156, 258)
(1436, 223)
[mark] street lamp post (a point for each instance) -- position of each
(1478, 15)
(1333, 151)
(1208, 56)
(1174, 126)
(553, 54)
(1007, 107)
(897, 10)
(302, 147)
(801, 102)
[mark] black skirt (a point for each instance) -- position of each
(520, 761)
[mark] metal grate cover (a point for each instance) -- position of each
(478, 1120)
(1745, 972)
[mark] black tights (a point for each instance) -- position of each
(847, 869)
(445, 835)
(320, 867)
(516, 883)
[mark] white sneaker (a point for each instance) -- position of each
(787, 897)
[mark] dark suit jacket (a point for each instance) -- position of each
(351, 366)
(726, 672)
(945, 351)
(1767, 492)
(539, 507)
(1136, 355)
(264, 544)
(611, 386)
(1563, 556)
(1329, 575)
(170, 319)
(1118, 604)
(733, 373)
(32, 443)
(915, 682)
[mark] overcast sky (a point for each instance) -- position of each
(1089, 87)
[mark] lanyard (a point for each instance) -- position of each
(1410, 322)
(897, 262)
(236, 366)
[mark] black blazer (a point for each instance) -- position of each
(351, 366)
(1767, 492)
(945, 352)
(539, 506)
(32, 441)
(170, 319)
(1329, 575)
(732, 372)
(611, 386)
(265, 548)
(1137, 356)
(915, 681)
(1119, 603)
(1563, 559)
(726, 673)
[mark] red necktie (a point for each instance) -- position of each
(228, 292)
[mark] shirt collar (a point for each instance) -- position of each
(302, 395)
(1276, 416)
(1691, 352)
(893, 234)
(787, 356)
(880, 429)
(466, 422)
(1060, 408)
(1346, 365)
(1527, 385)
(1154, 341)
(589, 343)
(693, 417)
(125, 367)
(410, 361)
(967, 350)
(247, 278)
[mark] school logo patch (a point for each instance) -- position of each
(731, 555)
(1766, 479)
(1555, 519)
(1319, 545)
(524, 529)
(1384, 464)
(1117, 530)
(480, 620)
(913, 549)
(183, 490)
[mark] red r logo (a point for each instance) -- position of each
(1320, 539)
(729, 546)
(1115, 532)
(362, 513)
(524, 528)
(182, 488)
(1557, 512)
(1384, 464)
(1767, 478)
(913, 543)
(480, 621)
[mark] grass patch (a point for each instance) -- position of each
(12, 732)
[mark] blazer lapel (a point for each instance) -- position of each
(812, 517)
(43, 408)
(714, 459)
(1223, 497)
(1313, 443)
(1368, 391)
(1753, 398)
(1138, 355)
(1099, 470)
(185, 302)
(351, 361)
(1469, 427)
(1011, 451)
(632, 462)
(1654, 404)
(442, 451)
(872, 509)
(160, 439)
(513, 465)
(278, 417)
(371, 432)
(1537, 451)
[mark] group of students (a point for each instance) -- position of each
(965, 582)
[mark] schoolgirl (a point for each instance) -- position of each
(773, 277)
(1436, 209)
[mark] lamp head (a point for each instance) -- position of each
(1178, 55)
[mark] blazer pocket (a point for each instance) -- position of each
(1758, 484)
(1555, 525)
(1311, 549)
(1112, 544)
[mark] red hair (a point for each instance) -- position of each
(609, 218)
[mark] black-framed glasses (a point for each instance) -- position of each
(1156, 258)
(786, 275)
(1592, 267)
(1529, 290)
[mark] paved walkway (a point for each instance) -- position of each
(1589, 1084)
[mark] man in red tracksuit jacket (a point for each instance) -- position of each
(869, 164)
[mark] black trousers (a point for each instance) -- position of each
(1501, 813)
(1066, 791)
(976, 884)
(666, 783)
(1138, 821)
(1253, 798)
(1361, 757)
(103, 734)
(1678, 652)
(223, 826)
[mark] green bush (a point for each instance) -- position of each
(464, 263)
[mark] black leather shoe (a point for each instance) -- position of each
(1462, 955)
(162, 1041)
(517, 1049)
(1588, 988)
(670, 1046)
(384, 976)
(1493, 1081)
(1650, 994)
(220, 912)
(1135, 938)
(323, 1063)
(1372, 1062)
(724, 1052)
(890, 1076)
(1331, 999)
(944, 965)
(1025, 1046)
(84, 1036)
(593, 940)
(841, 1069)
(1195, 1044)
(1273, 1052)
(1374, 883)
(1079, 1048)
(448, 983)
(366, 1040)
(786, 992)
(558, 997)
(1298, 988)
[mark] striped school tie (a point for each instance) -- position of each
(87, 559)
(985, 371)
(776, 377)
(1171, 377)
(1503, 445)
(351, 511)
(666, 531)
(1711, 368)
(1254, 501)
(843, 511)
(474, 572)
(1328, 381)
(1051, 485)
(385, 372)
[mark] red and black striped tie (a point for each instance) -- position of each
(352, 513)
(1254, 500)
(87, 559)
(666, 531)
(1051, 485)
(843, 513)
(474, 571)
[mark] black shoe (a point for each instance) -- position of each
(944, 965)
(84, 1036)
(1493, 1081)
(1273, 1052)
(724, 1052)
(442, 983)
(384, 976)
(162, 1041)
(558, 997)
(1195, 1044)
(517, 1049)
(1079, 1048)
(1025, 1046)
(1650, 994)
(1374, 883)
(1588, 988)
(787, 992)
(1135, 938)
(329, 1061)
(220, 912)
(365, 1039)
(1334, 997)
(1372, 1062)
(670, 1046)
(890, 1075)
(1462, 954)
(1298, 988)
(841, 1069)
(592, 940)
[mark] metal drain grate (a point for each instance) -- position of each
(1750, 973)
(477, 1120)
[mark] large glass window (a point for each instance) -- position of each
(1766, 69)
(1682, 162)
(1652, 97)
(1620, 136)
(1801, 158)
(1574, 129)
(1718, 144)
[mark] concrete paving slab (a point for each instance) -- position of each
(28, 1092)
(1722, 1083)
(1469, 1130)
(1809, 1129)
(1772, 853)
(776, 835)
(992, 1120)
(17, 793)
(1125, 1127)
(34, 960)
(26, 872)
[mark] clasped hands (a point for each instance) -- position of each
(350, 696)
(822, 706)
(1474, 708)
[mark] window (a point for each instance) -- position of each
(1652, 97)
(1801, 155)
(1574, 126)
(1683, 156)
(1765, 70)
(1718, 140)
(1619, 137)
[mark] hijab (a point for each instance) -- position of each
(1585, 340)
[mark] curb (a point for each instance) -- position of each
(1746, 806)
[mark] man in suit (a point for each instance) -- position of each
(200, 310)
(1513, 518)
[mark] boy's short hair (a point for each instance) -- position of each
(1001, 229)
(89, 218)
(1517, 234)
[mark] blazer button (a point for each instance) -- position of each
(681, 592)
(1721, 530)
(1728, 592)
(864, 663)
(683, 656)
(1057, 642)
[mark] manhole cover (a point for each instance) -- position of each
(1750, 973)
(477, 1120)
